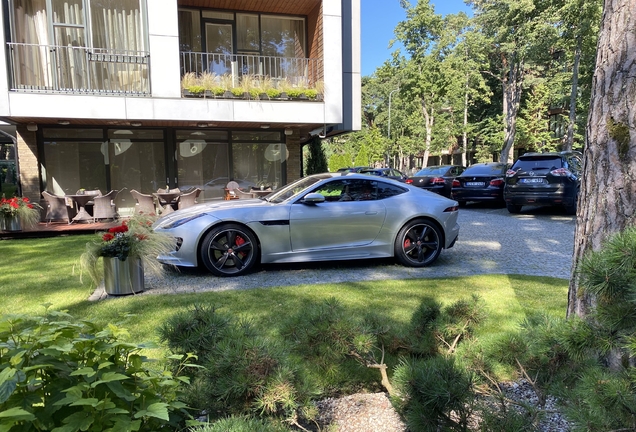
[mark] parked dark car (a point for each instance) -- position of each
(480, 182)
(391, 173)
(547, 179)
(354, 169)
(437, 178)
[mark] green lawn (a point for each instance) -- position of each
(38, 271)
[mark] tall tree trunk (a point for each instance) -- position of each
(465, 132)
(512, 86)
(428, 124)
(569, 140)
(607, 202)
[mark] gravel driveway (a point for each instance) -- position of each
(538, 242)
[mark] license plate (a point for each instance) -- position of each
(531, 180)
(478, 184)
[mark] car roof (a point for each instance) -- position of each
(561, 153)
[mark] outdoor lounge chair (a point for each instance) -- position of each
(189, 199)
(145, 203)
(57, 208)
(105, 207)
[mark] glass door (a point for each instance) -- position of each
(219, 47)
(203, 162)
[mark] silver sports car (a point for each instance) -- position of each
(332, 216)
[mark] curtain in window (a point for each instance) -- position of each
(31, 62)
(119, 43)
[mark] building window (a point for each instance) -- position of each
(51, 48)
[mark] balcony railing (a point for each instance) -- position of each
(78, 70)
(297, 71)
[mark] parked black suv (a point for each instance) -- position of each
(551, 179)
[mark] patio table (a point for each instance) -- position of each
(81, 201)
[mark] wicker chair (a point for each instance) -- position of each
(241, 194)
(145, 203)
(57, 208)
(105, 207)
(189, 199)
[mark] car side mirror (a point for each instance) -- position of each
(313, 198)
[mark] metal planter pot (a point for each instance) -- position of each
(10, 224)
(123, 277)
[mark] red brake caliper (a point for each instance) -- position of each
(239, 241)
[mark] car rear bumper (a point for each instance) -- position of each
(477, 195)
(539, 199)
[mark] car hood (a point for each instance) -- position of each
(211, 208)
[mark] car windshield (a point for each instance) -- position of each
(295, 188)
(537, 163)
(483, 169)
(431, 171)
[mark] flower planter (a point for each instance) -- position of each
(123, 277)
(10, 224)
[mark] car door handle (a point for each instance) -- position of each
(370, 212)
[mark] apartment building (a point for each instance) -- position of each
(144, 94)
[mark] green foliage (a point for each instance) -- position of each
(237, 91)
(316, 161)
(242, 424)
(295, 92)
(243, 372)
(311, 93)
(196, 89)
(273, 93)
(431, 390)
(197, 330)
(56, 372)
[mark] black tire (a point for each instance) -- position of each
(571, 209)
(418, 243)
(229, 250)
(512, 208)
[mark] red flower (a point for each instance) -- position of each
(141, 236)
(25, 199)
(30, 205)
(118, 229)
(108, 237)
(14, 204)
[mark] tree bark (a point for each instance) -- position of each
(607, 202)
(512, 86)
(569, 140)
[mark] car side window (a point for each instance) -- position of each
(363, 190)
(337, 190)
(575, 166)
(386, 190)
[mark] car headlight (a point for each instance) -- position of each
(178, 222)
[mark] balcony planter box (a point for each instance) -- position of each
(228, 95)
(123, 277)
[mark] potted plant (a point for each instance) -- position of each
(126, 250)
(16, 213)
(187, 81)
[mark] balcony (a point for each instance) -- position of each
(217, 73)
(78, 70)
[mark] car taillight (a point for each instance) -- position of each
(456, 183)
(510, 173)
(496, 182)
(437, 180)
(561, 172)
(408, 181)
(451, 209)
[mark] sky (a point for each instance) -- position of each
(379, 18)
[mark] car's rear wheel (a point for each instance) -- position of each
(512, 208)
(571, 209)
(229, 250)
(418, 243)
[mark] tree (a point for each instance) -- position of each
(519, 36)
(607, 202)
(316, 161)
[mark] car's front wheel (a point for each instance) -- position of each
(418, 243)
(229, 250)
